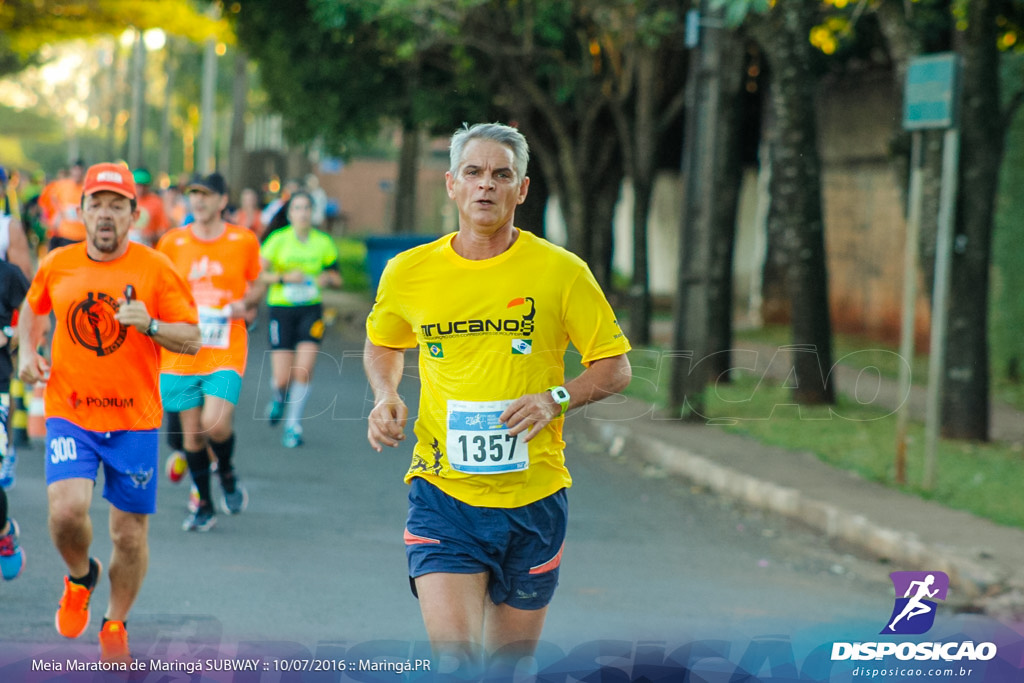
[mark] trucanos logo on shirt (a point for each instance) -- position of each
(522, 347)
(435, 349)
(521, 326)
(92, 324)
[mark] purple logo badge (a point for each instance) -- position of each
(916, 593)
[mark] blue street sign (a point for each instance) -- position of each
(930, 95)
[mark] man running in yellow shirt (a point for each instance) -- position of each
(491, 310)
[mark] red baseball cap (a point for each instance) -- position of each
(111, 178)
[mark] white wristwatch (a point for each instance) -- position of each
(561, 397)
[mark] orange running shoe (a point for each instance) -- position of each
(114, 643)
(73, 613)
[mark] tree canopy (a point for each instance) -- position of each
(28, 25)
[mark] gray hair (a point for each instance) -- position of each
(497, 132)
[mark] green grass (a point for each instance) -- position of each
(982, 479)
(850, 350)
(979, 478)
(352, 260)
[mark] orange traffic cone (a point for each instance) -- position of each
(36, 412)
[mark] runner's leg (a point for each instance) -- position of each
(300, 377)
(453, 608)
(128, 561)
(281, 361)
(513, 632)
(69, 522)
(196, 453)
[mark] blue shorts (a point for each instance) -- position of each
(181, 392)
(129, 457)
(520, 547)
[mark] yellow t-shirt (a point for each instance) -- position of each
(489, 332)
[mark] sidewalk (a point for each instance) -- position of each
(984, 561)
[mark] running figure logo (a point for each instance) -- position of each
(914, 612)
(92, 324)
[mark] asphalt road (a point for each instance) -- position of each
(315, 567)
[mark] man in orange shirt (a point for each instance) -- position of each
(60, 201)
(221, 263)
(116, 304)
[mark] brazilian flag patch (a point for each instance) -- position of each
(435, 349)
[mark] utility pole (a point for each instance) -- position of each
(205, 158)
(691, 332)
(207, 123)
(239, 106)
(170, 67)
(137, 119)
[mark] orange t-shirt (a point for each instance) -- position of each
(218, 271)
(250, 220)
(60, 201)
(106, 376)
(153, 221)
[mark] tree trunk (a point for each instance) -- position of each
(602, 223)
(163, 164)
(796, 213)
(576, 150)
(404, 219)
(239, 105)
(642, 149)
(728, 175)
(904, 43)
(530, 214)
(965, 400)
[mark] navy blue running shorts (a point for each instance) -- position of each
(520, 547)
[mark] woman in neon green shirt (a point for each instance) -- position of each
(298, 261)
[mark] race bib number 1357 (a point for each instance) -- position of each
(479, 444)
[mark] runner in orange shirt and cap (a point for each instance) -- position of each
(116, 303)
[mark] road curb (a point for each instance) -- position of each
(995, 590)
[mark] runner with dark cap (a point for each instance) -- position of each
(221, 263)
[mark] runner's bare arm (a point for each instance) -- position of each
(532, 412)
(17, 250)
(32, 366)
(383, 366)
(330, 277)
(176, 337)
(251, 300)
(179, 337)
